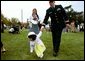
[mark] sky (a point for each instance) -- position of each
(13, 8)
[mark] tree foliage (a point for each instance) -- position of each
(74, 15)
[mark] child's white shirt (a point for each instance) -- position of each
(38, 40)
(36, 44)
(39, 35)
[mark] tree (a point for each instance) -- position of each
(2, 16)
(19, 23)
(9, 22)
(68, 7)
(74, 15)
(14, 21)
(5, 20)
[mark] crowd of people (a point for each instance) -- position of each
(73, 27)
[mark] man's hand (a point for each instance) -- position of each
(67, 23)
(42, 27)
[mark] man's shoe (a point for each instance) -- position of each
(55, 54)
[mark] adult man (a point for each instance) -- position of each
(59, 20)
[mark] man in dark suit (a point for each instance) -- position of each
(59, 20)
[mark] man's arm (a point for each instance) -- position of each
(46, 18)
(39, 35)
(64, 15)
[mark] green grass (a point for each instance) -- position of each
(17, 46)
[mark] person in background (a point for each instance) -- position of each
(2, 26)
(2, 48)
(33, 21)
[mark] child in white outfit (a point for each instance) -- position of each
(36, 44)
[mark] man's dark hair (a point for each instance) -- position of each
(51, 1)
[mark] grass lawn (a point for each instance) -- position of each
(17, 46)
